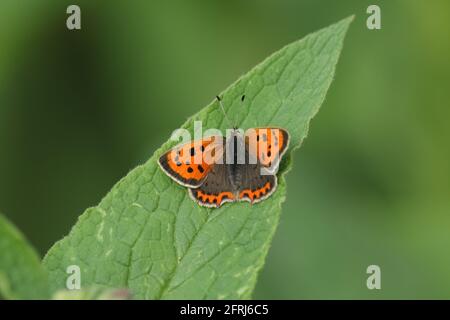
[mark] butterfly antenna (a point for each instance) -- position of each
(223, 110)
(242, 100)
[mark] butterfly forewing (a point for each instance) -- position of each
(189, 163)
(267, 146)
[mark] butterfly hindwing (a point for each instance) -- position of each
(216, 189)
(255, 186)
(188, 164)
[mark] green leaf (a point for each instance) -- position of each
(149, 236)
(21, 273)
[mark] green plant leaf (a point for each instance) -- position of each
(149, 236)
(21, 273)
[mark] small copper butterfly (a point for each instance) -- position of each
(247, 174)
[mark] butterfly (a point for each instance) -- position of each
(240, 167)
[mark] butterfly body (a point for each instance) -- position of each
(243, 166)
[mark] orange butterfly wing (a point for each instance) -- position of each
(267, 144)
(189, 164)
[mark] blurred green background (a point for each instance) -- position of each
(371, 184)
